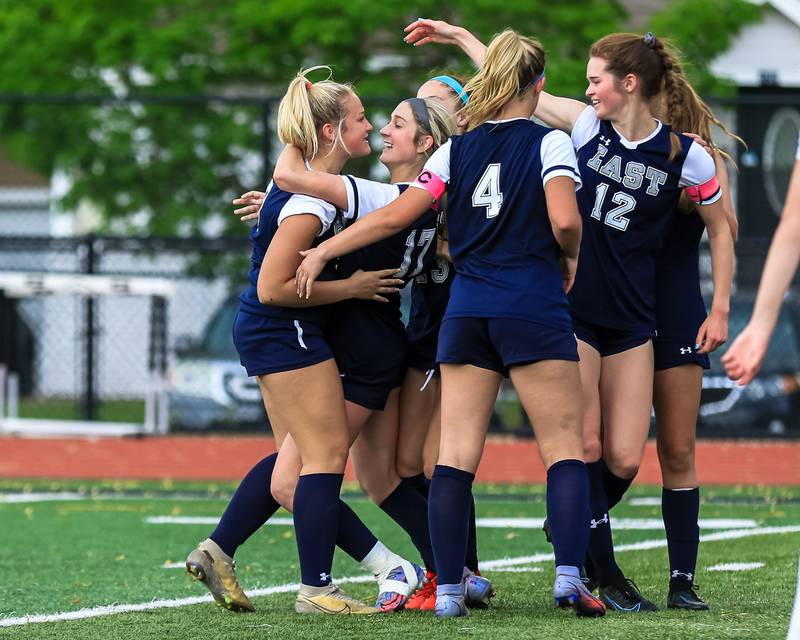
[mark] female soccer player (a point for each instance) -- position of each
(744, 358)
(634, 169)
(356, 333)
(282, 343)
(514, 232)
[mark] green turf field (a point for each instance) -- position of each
(98, 548)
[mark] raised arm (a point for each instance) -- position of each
(727, 201)
(291, 174)
(380, 224)
(559, 113)
(276, 284)
(423, 31)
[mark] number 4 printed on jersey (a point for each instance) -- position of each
(487, 192)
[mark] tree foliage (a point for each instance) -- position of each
(166, 164)
(702, 31)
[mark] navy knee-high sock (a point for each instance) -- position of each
(614, 485)
(568, 511)
(316, 525)
(353, 537)
(680, 509)
(420, 483)
(471, 561)
(250, 507)
(601, 546)
(406, 506)
(448, 514)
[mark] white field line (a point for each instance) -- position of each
(22, 498)
(517, 570)
(95, 612)
(640, 524)
(736, 566)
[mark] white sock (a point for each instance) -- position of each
(379, 559)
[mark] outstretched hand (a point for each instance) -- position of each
(423, 31)
(744, 357)
(251, 204)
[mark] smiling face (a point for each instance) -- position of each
(402, 144)
(604, 89)
(355, 128)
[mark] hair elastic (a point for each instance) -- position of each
(455, 85)
(649, 39)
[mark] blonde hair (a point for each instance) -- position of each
(512, 63)
(307, 106)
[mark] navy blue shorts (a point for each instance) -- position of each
(608, 341)
(270, 345)
(498, 344)
(674, 352)
(422, 353)
(371, 350)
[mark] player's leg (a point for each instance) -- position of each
(550, 393)
(319, 428)
(417, 406)
(211, 562)
(626, 399)
(468, 396)
(676, 399)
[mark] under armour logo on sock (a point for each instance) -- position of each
(595, 523)
(325, 577)
(678, 574)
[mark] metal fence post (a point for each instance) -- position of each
(89, 408)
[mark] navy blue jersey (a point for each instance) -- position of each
(277, 206)
(680, 309)
(628, 202)
(430, 293)
(413, 250)
(501, 241)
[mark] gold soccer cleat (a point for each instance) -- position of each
(329, 600)
(214, 568)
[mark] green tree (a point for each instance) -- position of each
(166, 164)
(702, 31)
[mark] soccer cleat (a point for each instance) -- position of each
(571, 592)
(478, 591)
(624, 596)
(396, 585)
(424, 598)
(683, 595)
(448, 606)
(587, 571)
(217, 571)
(330, 600)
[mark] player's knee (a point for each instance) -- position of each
(282, 489)
(592, 449)
(378, 486)
(677, 459)
(623, 465)
(407, 467)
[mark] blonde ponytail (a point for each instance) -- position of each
(307, 106)
(512, 63)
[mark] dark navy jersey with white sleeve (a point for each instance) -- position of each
(628, 203)
(279, 205)
(501, 241)
(413, 250)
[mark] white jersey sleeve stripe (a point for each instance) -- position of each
(558, 158)
(299, 204)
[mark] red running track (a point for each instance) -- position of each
(230, 457)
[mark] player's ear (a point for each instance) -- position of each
(425, 144)
(328, 133)
(630, 83)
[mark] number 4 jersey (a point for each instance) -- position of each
(501, 240)
(629, 197)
